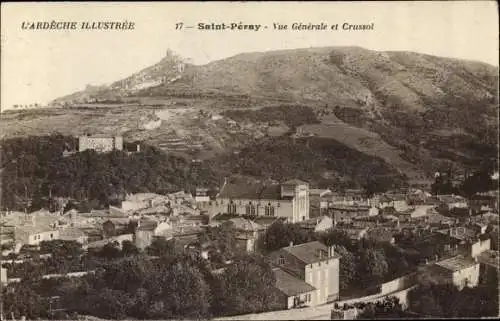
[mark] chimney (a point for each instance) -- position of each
(291, 244)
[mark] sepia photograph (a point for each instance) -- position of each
(249, 160)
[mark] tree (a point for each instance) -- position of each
(388, 308)
(280, 235)
(373, 265)
(178, 290)
(23, 301)
(161, 247)
(61, 248)
(347, 267)
(110, 251)
(247, 287)
(335, 237)
(129, 248)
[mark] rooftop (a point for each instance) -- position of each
(245, 224)
(456, 263)
(295, 182)
(289, 284)
(490, 258)
(71, 233)
(252, 191)
(309, 252)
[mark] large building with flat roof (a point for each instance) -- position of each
(461, 271)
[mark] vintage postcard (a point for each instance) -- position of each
(249, 160)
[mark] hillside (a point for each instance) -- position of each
(414, 111)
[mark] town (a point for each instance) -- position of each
(256, 250)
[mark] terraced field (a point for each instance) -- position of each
(365, 141)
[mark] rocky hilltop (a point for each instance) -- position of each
(413, 111)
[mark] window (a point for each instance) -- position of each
(51, 235)
(281, 260)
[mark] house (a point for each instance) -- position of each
(351, 197)
(33, 235)
(289, 200)
(355, 233)
(3, 275)
(421, 210)
(452, 201)
(479, 247)
(380, 234)
(484, 202)
(201, 195)
(398, 201)
(490, 259)
(147, 230)
(119, 239)
(313, 263)
(292, 292)
(73, 234)
(459, 270)
(318, 224)
(100, 143)
(265, 222)
(247, 232)
(347, 213)
(319, 199)
(320, 192)
(429, 245)
(489, 265)
(461, 233)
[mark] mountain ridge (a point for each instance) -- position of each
(423, 110)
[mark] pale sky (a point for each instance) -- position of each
(40, 65)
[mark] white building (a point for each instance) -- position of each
(33, 235)
(460, 271)
(312, 263)
(100, 143)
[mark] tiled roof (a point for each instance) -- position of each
(241, 191)
(147, 225)
(252, 191)
(318, 191)
(71, 233)
(244, 224)
(290, 285)
(270, 192)
(295, 182)
(308, 252)
(456, 263)
(266, 221)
